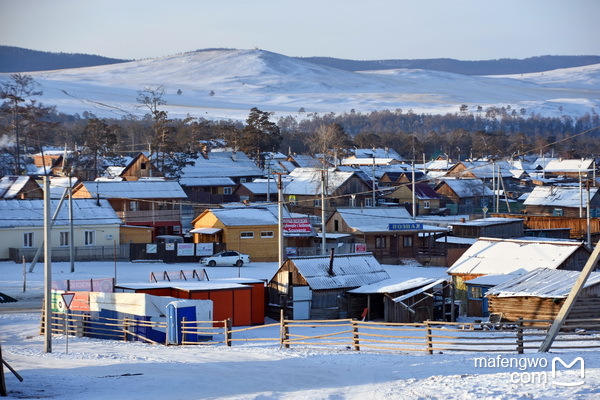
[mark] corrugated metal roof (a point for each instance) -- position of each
(349, 271)
(393, 285)
(219, 164)
(542, 282)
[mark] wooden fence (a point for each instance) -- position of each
(430, 336)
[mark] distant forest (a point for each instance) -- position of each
(16, 59)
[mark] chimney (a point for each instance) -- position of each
(330, 271)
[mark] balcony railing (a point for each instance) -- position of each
(151, 216)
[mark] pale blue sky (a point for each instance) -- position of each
(361, 30)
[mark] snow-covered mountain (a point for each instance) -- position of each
(228, 83)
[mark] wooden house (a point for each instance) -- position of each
(562, 201)
(315, 287)
(506, 256)
(428, 200)
(484, 170)
(145, 202)
(389, 233)
(541, 293)
(570, 168)
(251, 230)
(19, 188)
(259, 190)
(303, 191)
(138, 167)
(213, 176)
(467, 194)
(492, 227)
(397, 178)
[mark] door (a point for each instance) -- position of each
(301, 298)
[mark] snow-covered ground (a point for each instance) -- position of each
(226, 84)
(101, 369)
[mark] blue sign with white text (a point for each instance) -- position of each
(405, 226)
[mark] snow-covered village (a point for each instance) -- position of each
(350, 221)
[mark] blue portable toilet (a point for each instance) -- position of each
(191, 310)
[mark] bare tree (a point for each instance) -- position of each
(15, 92)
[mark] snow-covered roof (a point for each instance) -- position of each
(306, 161)
(378, 153)
(487, 169)
(262, 187)
(439, 165)
(456, 240)
(572, 165)
(247, 216)
(307, 181)
(468, 187)
(542, 282)
(209, 182)
(504, 256)
(19, 213)
(378, 219)
(489, 221)
(11, 185)
(219, 164)
(559, 196)
(393, 285)
(142, 189)
(349, 271)
(367, 161)
(493, 279)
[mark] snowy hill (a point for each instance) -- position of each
(228, 83)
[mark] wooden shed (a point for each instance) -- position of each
(541, 293)
(505, 256)
(315, 287)
(404, 301)
(503, 228)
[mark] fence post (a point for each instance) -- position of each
(520, 336)
(284, 332)
(355, 335)
(428, 337)
(183, 330)
(125, 329)
(227, 323)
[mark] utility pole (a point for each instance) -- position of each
(47, 269)
(414, 204)
(71, 230)
(323, 234)
(280, 219)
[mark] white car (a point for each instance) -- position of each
(226, 258)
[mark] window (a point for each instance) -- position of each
(246, 235)
(407, 241)
(558, 212)
(475, 292)
(426, 204)
(380, 242)
(336, 225)
(28, 239)
(227, 190)
(89, 238)
(243, 180)
(317, 203)
(369, 202)
(64, 239)
(266, 234)
(293, 200)
(134, 205)
(143, 165)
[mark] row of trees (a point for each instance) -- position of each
(27, 126)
